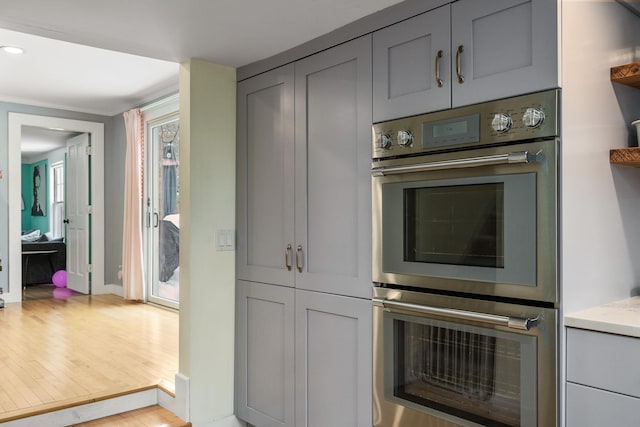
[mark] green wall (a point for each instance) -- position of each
(26, 191)
(30, 222)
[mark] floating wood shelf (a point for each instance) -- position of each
(628, 74)
(625, 156)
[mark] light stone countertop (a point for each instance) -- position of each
(619, 317)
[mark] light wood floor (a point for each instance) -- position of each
(57, 353)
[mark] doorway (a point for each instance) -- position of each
(16, 123)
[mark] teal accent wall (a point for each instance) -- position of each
(30, 221)
(26, 197)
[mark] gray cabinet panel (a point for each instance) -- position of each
(333, 156)
(604, 361)
(265, 176)
(510, 47)
(590, 407)
(265, 354)
(404, 66)
(333, 361)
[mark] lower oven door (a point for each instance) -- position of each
(445, 361)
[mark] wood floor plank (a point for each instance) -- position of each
(82, 347)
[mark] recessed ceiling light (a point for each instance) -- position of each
(12, 49)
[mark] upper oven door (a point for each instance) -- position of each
(479, 221)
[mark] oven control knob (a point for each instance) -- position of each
(501, 122)
(532, 117)
(405, 138)
(384, 141)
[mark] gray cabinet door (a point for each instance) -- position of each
(509, 47)
(265, 354)
(333, 361)
(265, 164)
(332, 176)
(592, 407)
(405, 59)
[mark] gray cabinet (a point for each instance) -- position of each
(302, 358)
(265, 176)
(303, 322)
(333, 170)
(509, 47)
(407, 57)
(333, 361)
(306, 221)
(265, 354)
(603, 382)
(490, 50)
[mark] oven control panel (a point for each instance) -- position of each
(509, 120)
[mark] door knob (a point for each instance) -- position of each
(66, 221)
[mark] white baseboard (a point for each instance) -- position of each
(107, 289)
(179, 405)
(230, 421)
(90, 411)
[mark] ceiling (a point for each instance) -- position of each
(35, 140)
(105, 57)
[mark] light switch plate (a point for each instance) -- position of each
(225, 240)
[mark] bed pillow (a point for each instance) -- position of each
(33, 236)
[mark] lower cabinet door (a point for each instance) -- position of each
(592, 407)
(265, 354)
(333, 360)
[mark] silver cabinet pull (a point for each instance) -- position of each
(438, 79)
(299, 255)
(498, 159)
(287, 257)
(524, 324)
(458, 72)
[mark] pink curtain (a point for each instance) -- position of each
(133, 280)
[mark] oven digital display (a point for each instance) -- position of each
(449, 132)
(449, 129)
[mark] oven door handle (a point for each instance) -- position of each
(497, 159)
(523, 324)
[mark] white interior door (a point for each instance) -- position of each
(78, 216)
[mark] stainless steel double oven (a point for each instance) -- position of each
(465, 265)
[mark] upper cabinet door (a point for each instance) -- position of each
(411, 66)
(506, 48)
(333, 163)
(265, 178)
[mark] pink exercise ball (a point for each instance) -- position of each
(59, 278)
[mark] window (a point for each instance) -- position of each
(57, 200)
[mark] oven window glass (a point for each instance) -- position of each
(458, 225)
(464, 372)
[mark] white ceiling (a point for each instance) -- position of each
(121, 73)
(35, 140)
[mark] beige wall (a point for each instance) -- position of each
(207, 204)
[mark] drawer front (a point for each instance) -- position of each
(605, 361)
(590, 407)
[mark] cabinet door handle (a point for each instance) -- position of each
(299, 255)
(438, 79)
(458, 72)
(287, 257)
